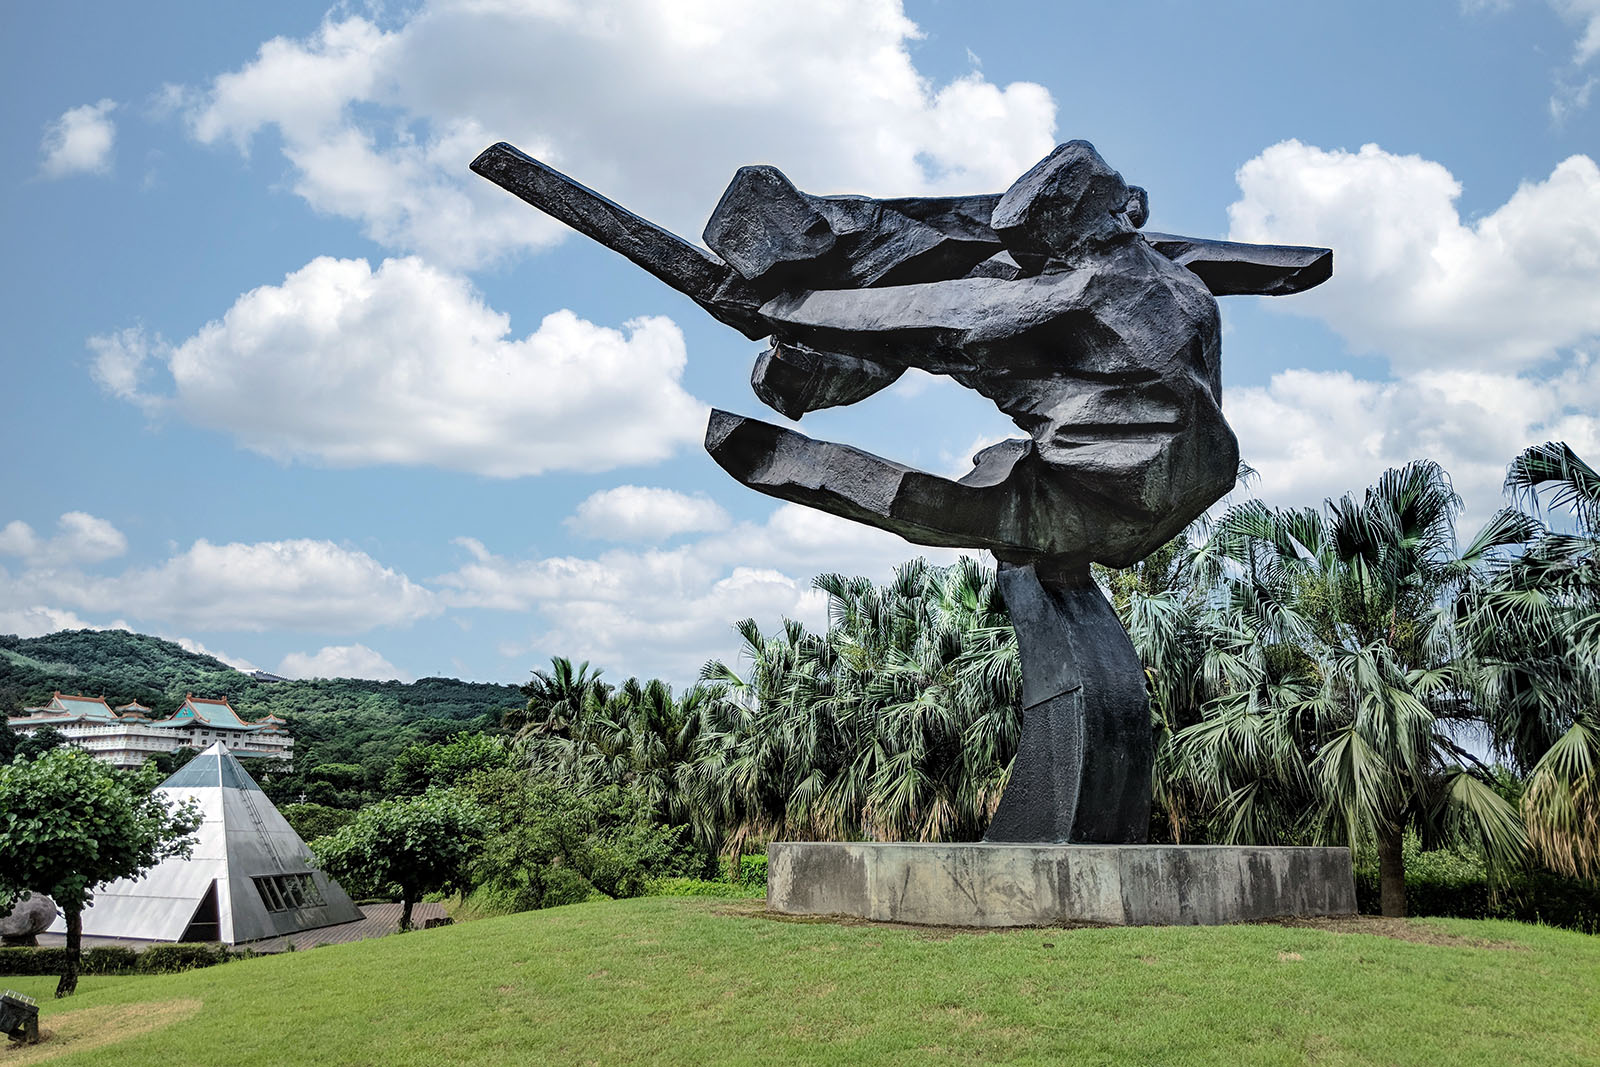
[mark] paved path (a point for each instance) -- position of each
(378, 920)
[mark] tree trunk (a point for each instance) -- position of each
(69, 975)
(405, 913)
(1391, 872)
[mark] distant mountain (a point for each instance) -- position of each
(124, 666)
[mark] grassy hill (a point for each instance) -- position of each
(344, 721)
(700, 982)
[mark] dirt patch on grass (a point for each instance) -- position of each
(1417, 931)
(77, 1031)
(757, 909)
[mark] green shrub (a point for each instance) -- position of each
(487, 901)
(1456, 885)
(166, 959)
(701, 887)
(30, 960)
(547, 845)
(563, 885)
(110, 960)
(752, 870)
(34, 961)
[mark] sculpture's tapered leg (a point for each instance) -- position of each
(1082, 772)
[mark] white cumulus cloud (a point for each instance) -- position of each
(407, 365)
(653, 102)
(80, 538)
(80, 141)
(36, 620)
(341, 661)
(1312, 435)
(642, 513)
(293, 585)
(667, 611)
(1489, 325)
(189, 644)
(1413, 279)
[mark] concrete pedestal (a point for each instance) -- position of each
(990, 884)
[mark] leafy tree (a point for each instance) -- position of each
(8, 741)
(549, 845)
(442, 765)
(37, 742)
(637, 736)
(312, 821)
(415, 845)
(339, 775)
(556, 698)
(69, 823)
(899, 723)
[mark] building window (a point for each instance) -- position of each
(283, 892)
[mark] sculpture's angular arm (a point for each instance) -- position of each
(697, 274)
(1232, 268)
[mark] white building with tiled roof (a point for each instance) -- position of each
(128, 735)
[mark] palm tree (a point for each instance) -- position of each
(898, 723)
(1330, 688)
(1534, 627)
(739, 779)
(636, 736)
(556, 698)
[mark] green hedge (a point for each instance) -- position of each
(700, 887)
(109, 961)
(30, 960)
(1455, 885)
(33, 960)
(157, 959)
(752, 870)
(165, 959)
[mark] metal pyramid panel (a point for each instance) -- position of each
(264, 874)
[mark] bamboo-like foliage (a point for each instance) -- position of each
(1534, 627)
(898, 724)
(1315, 674)
(1312, 680)
(636, 735)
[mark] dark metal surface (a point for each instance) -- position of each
(1083, 763)
(19, 1017)
(1101, 343)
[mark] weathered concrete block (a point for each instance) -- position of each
(996, 884)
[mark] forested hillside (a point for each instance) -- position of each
(347, 731)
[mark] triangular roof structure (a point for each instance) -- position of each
(88, 707)
(249, 875)
(218, 714)
(73, 707)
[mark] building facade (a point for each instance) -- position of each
(128, 735)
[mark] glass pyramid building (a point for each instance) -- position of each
(249, 875)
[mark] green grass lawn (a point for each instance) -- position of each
(663, 980)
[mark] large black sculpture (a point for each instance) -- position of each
(1101, 342)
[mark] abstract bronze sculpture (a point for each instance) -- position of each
(1101, 342)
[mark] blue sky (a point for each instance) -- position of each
(288, 383)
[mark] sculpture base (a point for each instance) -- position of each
(988, 884)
